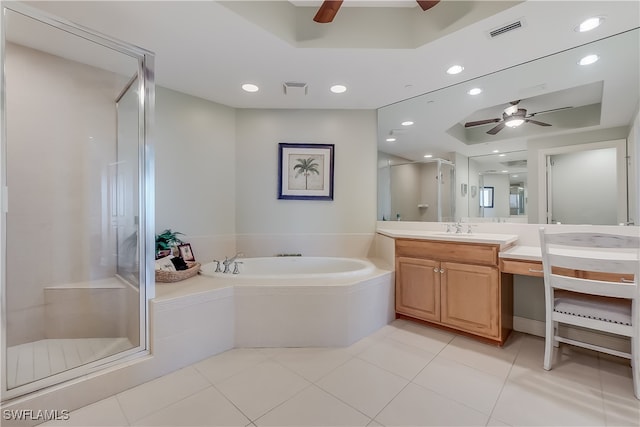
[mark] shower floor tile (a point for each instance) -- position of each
(39, 359)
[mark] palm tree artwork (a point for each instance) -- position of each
(306, 167)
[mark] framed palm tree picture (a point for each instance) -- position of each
(305, 171)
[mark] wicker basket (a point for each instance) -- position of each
(176, 276)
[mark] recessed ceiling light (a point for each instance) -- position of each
(496, 151)
(475, 91)
(428, 156)
(250, 87)
(455, 69)
(391, 140)
(407, 123)
(505, 171)
(501, 155)
(590, 24)
(338, 89)
(588, 60)
(514, 176)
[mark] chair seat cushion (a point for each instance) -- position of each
(607, 310)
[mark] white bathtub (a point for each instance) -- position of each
(307, 301)
(295, 267)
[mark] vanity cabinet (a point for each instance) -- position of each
(454, 285)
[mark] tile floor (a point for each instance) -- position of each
(403, 375)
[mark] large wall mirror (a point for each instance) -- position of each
(574, 116)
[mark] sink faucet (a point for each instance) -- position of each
(458, 226)
(228, 261)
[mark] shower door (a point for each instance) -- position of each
(78, 202)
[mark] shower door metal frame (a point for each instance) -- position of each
(146, 183)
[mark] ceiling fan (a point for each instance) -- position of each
(512, 116)
(329, 9)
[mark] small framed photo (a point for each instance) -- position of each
(186, 253)
(305, 171)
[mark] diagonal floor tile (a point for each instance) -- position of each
(312, 363)
(229, 363)
(205, 408)
(398, 358)
(147, 398)
(105, 412)
(313, 407)
(262, 387)
(363, 386)
(461, 383)
(417, 406)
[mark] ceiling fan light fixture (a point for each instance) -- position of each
(514, 123)
(590, 24)
(475, 91)
(588, 60)
(338, 89)
(455, 69)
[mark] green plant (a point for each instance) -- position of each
(167, 240)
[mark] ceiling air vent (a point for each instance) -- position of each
(506, 28)
(295, 88)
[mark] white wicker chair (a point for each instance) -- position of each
(614, 310)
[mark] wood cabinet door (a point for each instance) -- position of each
(418, 288)
(471, 298)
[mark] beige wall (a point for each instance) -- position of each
(261, 215)
(194, 143)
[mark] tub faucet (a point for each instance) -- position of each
(228, 261)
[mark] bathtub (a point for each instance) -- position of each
(328, 269)
(307, 301)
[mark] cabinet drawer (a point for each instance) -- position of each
(448, 251)
(526, 268)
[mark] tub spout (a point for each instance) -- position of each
(228, 261)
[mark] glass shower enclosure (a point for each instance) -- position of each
(77, 185)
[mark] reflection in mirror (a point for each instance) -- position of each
(417, 191)
(506, 174)
(572, 105)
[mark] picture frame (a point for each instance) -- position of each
(186, 253)
(305, 171)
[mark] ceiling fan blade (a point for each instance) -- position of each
(426, 5)
(496, 129)
(535, 122)
(548, 111)
(481, 122)
(327, 11)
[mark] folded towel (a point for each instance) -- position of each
(165, 264)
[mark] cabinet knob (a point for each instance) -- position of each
(441, 270)
(435, 270)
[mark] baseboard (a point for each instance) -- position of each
(537, 328)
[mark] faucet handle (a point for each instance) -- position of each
(235, 267)
(218, 270)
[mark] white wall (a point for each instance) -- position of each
(535, 145)
(194, 143)
(266, 225)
